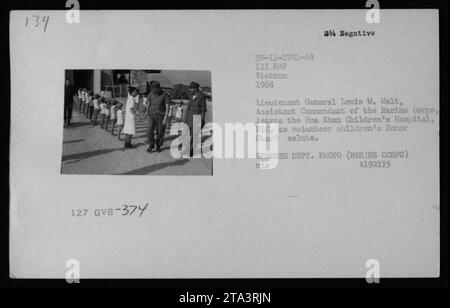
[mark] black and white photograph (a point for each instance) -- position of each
(118, 122)
(270, 147)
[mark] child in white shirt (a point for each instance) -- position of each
(169, 117)
(83, 100)
(119, 116)
(80, 95)
(102, 111)
(113, 116)
(86, 103)
(96, 108)
(90, 103)
(107, 114)
(179, 114)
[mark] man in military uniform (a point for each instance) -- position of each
(157, 111)
(68, 101)
(195, 106)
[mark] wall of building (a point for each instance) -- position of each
(97, 81)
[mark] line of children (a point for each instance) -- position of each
(86, 102)
(92, 105)
(111, 111)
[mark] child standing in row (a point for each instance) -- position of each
(140, 109)
(90, 102)
(119, 117)
(79, 96)
(102, 111)
(169, 118)
(113, 116)
(96, 108)
(85, 101)
(179, 114)
(107, 114)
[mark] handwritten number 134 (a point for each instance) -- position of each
(36, 21)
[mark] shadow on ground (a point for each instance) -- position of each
(85, 155)
(77, 124)
(73, 141)
(153, 168)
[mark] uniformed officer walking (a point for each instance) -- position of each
(195, 106)
(157, 111)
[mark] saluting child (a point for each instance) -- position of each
(96, 108)
(145, 100)
(102, 111)
(113, 116)
(79, 96)
(90, 105)
(169, 117)
(83, 100)
(85, 105)
(119, 116)
(179, 114)
(142, 105)
(107, 114)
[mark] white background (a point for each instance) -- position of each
(240, 222)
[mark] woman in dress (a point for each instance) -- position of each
(129, 128)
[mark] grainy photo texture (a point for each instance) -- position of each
(118, 122)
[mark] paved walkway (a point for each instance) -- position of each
(92, 150)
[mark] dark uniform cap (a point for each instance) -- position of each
(155, 85)
(194, 85)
